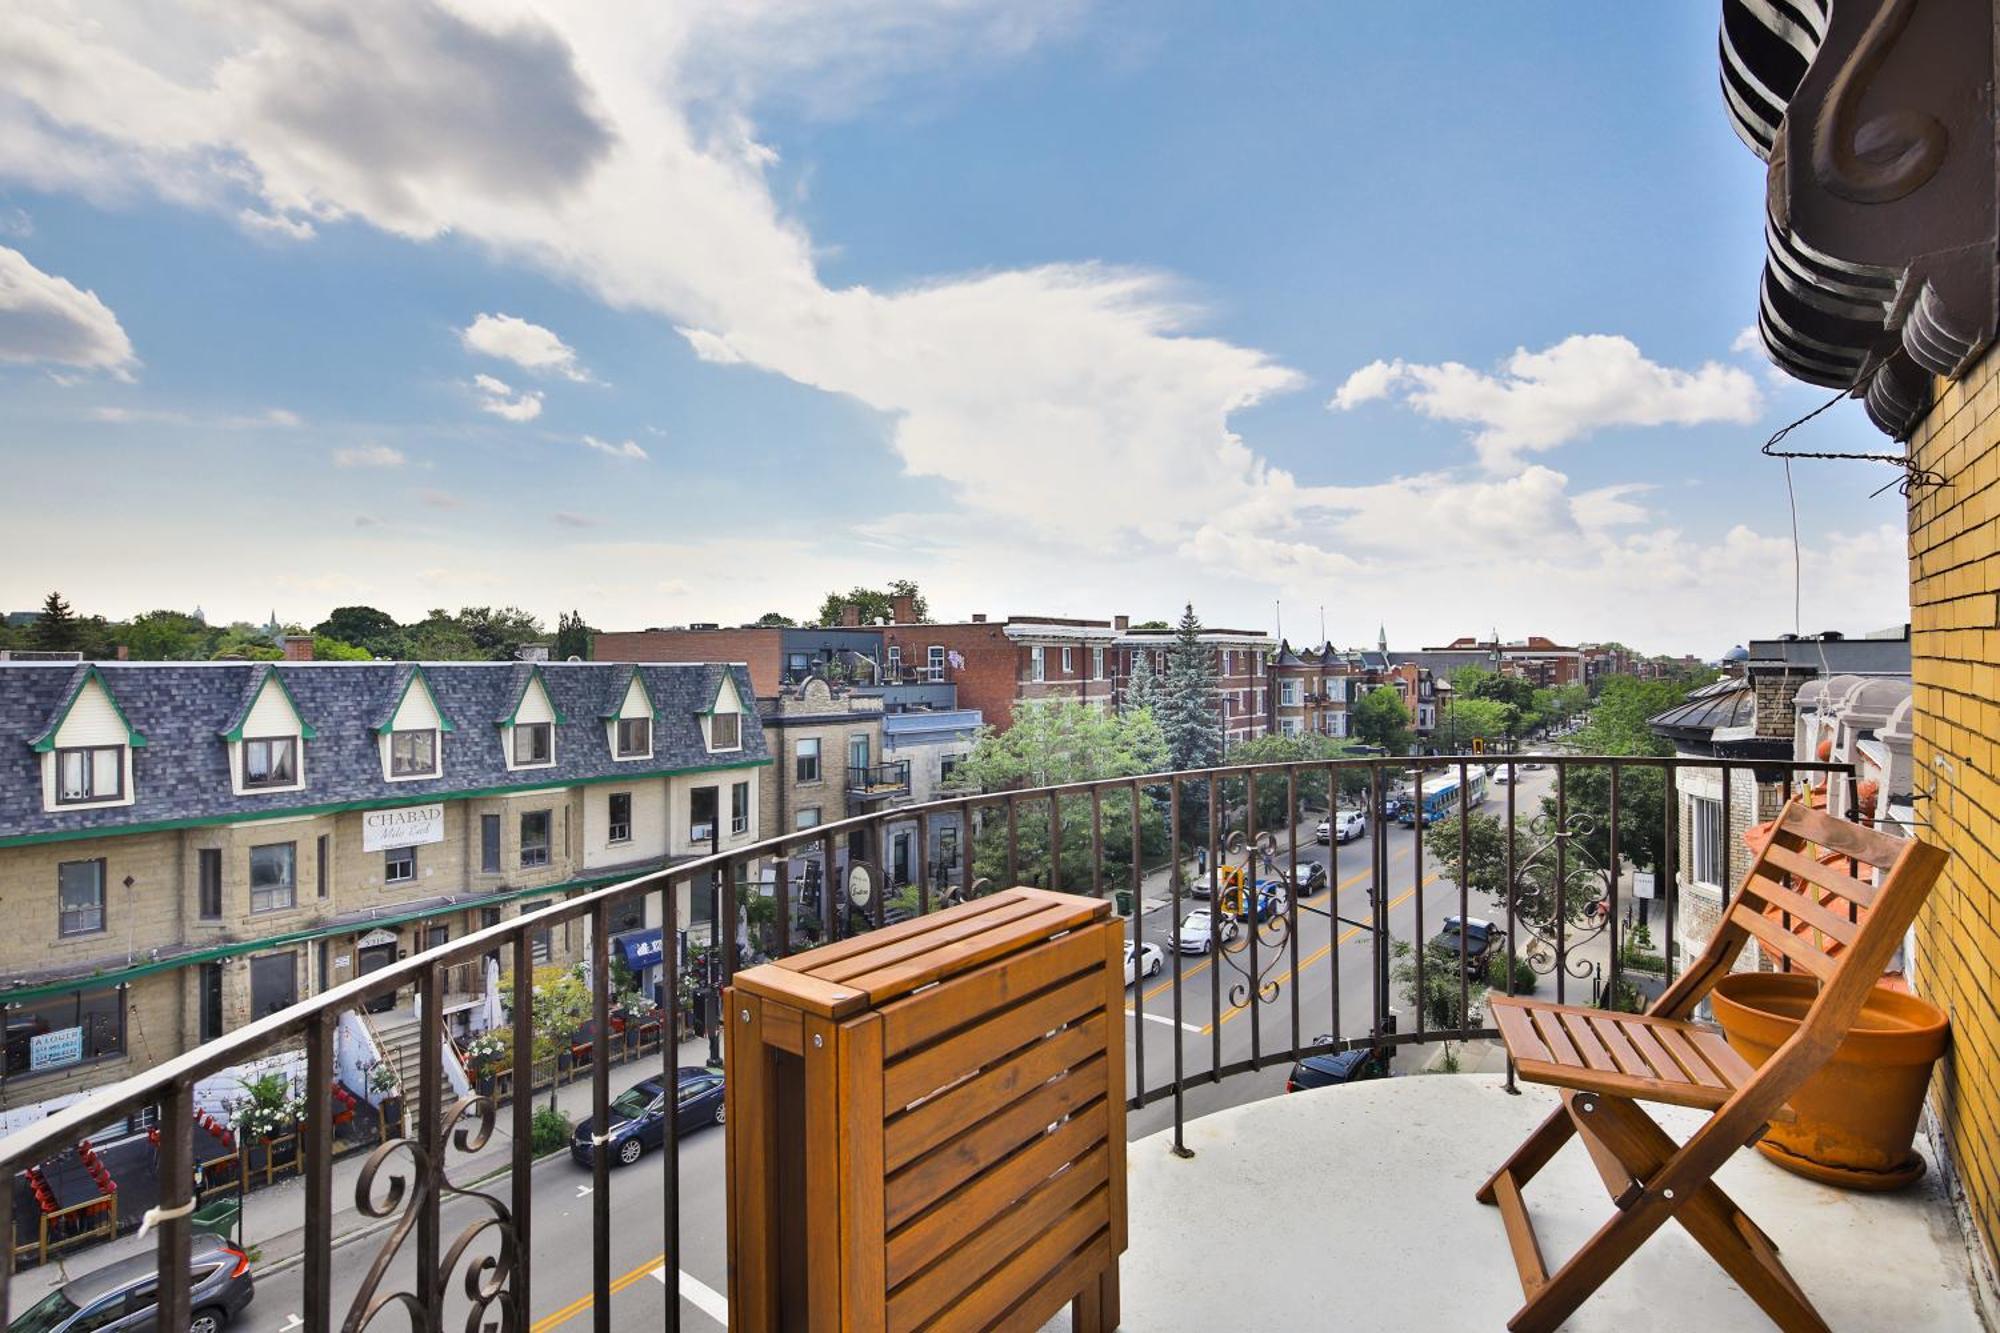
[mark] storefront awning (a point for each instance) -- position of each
(640, 947)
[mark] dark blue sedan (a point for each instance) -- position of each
(639, 1116)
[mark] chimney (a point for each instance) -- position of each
(124, 653)
(850, 615)
(298, 647)
(903, 609)
(1121, 623)
(979, 617)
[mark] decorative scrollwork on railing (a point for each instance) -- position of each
(1273, 931)
(488, 1282)
(1550, 883)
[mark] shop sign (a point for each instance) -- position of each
(406, 826)
(53, 1050)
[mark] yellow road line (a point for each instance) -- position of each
(582, 1303)
(1323, 950)
(1205, 963)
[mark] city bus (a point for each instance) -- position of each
(1442, 801)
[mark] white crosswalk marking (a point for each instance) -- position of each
(704, 1297)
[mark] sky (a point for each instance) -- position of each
(1423, 318)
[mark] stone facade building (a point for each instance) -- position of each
(187, 847)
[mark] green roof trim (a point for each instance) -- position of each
(645, 692)
(306, 731)
(389, 803)
(45, 742)
(729, 679)
(416, 675)
(125, 975)
(534, 678)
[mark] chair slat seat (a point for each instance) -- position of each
(1628, 1055)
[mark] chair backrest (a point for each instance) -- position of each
(1825, 919)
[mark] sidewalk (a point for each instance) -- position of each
(274, 1217)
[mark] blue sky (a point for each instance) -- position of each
(1427, 316)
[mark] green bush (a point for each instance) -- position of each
(1525, 976)
(549, 1131)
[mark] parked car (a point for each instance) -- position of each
(1193, 936)
(1308, 878)
(639, 1116)
(126, 1295)
(1342, 826)
(1482, 940)
(1270, 900)
(1143, 960)
(1321, 1071)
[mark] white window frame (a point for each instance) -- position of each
(102, 910)
(1038, 667)
(1097, 663)
(713, 748)
(290, 887)
(548, 843)
(1069, 660)
(807, 817)
(614, 830)
(1705, 842)
(934, 662)
(1288, 693)
(389, 859)
(618, 750)
(739, 824)
(818, 761)
(517, 731)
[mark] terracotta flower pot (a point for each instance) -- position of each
(1857, 1117)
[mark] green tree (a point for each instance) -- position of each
(560, 1006)
(775, 620)
(573, 638)
(334, 650)
(1061, 741)
(56, 631)
(877, 604)
(499, 633)
(243, 641)
(1152, 624)
(365, 627)
(1142, 691)
(1439, 993)
(168, 636)
(1469, 720)
(1379, 718)
(1617, 726)
(1186, 706)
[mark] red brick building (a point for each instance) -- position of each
(999, 664)
(1241, 662)
(1542, 661)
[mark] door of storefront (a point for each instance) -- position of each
(274, 983)
(372, 957)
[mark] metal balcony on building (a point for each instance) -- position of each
(879, 782)
(1347, 1205)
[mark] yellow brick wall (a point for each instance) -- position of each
(1955, 650)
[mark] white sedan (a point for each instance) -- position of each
(1193, 936)
(1145, 960)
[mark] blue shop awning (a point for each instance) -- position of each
(640, 947)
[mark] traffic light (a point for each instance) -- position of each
(1479, 745)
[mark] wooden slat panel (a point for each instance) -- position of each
(1816, 872)
(916, 1019)
(1523, 1043)
(1722, 1057)
(885, 955)
(753, 1277)
(783, 1027)
(1839, 835)
(1649, 1048)
(960, 955)
(794, 988)
(935, 1174)
(822, 1220)
(1607, 1031)
(809, 962)
(863, 1231)
(1578, 1079)
(1810, 911)
(1577, 1028)
(1113, 933)
(936, 1066)
(919, 1130)
(1041, 1305)
(1800, 951)
(1036, 1267)
(984, 1249)
(960, 1213)
(1550, 1028)
(1689, 1060)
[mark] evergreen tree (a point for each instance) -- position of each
(1142, 691)
(572, 638)
(1187, 704)
(56, 631)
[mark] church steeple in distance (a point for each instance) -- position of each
(1382, 639)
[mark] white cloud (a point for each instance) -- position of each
(623, 449)
(440, 500)
(276, 225)
(529, 346)
(1539, 400)
(1748, 340)
(16, 223)
(570, 519)
(44, 318)
(499, 398)
(279, 417)
(371, 455)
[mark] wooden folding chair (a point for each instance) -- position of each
(1607, 1063)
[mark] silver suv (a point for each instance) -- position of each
(124, 1297)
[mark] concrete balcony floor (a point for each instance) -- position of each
(1352, 1207)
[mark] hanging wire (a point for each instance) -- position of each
(1913, 476)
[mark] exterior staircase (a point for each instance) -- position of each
(399, 1038)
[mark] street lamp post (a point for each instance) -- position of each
(712, 1003)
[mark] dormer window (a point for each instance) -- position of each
(534, 744)
(635, 737)
(271, 762)
(725, 731)
(86, 776)
(413, 754)
(722, 720)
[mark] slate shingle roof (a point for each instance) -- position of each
(182, 775)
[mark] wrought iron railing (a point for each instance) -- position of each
(1552, 886)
